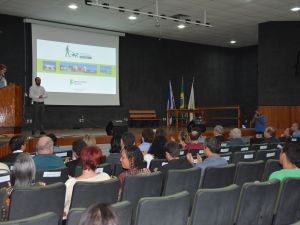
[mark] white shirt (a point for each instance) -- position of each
(3, 82)
(36, 91)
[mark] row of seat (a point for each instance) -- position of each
(266, 203)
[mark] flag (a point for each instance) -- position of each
(191, 104)
(182, 96)
(171, 101)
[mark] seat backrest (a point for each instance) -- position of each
(267, 154)
(271, 166)
(227, 157)
(87, 193)
(156, 164)
(257, 202)
(248, 172)
(219, 204)
(52, 176)
(118, 169)
(48, 218)
(104, 167)
(74, 216)
(64, 154)
(26, 202)
(288, 209)
(172, 209)
(196, 151)
(248, 156)
(257, 147)
(123, 211)
(224, 150)
(4, 179)
(240, 148)
(182, 180)
(217, 177)
(139, 186)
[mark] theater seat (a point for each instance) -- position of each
(104, 167)
(267, 154)
(248, 172)
(87, 193)
(52, 176)
(48, 218)
(288, 208)
(217, 177)
(271, 166)
(172, 209)
(123, 211)
(219, 204)
(26, 202)
(156, 164)
(74, 216)
(247, 156)
(257, 202)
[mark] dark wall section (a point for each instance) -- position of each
(146, 66)
(279, 43)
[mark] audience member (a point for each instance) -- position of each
(259, 121)
(115, 150)
(296, 131)
(195, 144)
(157, 147)
(160, 132)
(219, 133)
(89, 140)
(56, 147)
(17, 145)
(270, 136)
(4, 168)
(287, 134)
(147, 139)
(77, 146)
(184, 139)
(127, 140)
(45, 160)
(98, 214)
(90, 157)
(235, 136)
(132, 161)
(172, 152)
(290, 161)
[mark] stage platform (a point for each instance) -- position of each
(66, 137)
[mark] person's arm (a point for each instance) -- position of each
(45, 95)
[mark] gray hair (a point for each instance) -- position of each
(236, 133)
(46, 146)
(219, 129)
(23, 172)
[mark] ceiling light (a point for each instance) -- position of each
(73, 6)
(181, 26)
(132, 17)
(233, 42)
(295, 9)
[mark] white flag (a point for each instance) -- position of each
(171, 101)
(191, 104)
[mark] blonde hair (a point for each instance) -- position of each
(89, 140)
(219, 129)
(184, 137)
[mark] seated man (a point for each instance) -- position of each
(195, 144)
(211, 150)
(17, 145)
(236, 137)
(45, 160)
(77, 146)
(269, 135)
(219, 133)
(296, 131)
(147, 139)
(172, 152)
(290, 161)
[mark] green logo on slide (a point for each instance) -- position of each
(73, 54)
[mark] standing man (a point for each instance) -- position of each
(259, 121)
(37, 93)
(3, 82)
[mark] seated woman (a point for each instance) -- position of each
(132, 162)
(90, 157)
(184, 139)
(195, 144)
(22, 176)
(115, 150)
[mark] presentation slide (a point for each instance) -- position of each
(76, 66)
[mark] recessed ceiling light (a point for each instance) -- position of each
(132, 17)
(295, 9)
(73, 6)
(181, 26)
(233, 42)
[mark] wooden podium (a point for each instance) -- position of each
(11, 109)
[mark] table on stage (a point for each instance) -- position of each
(203, 111)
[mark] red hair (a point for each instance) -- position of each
(90, 157)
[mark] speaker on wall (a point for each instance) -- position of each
(116, 127)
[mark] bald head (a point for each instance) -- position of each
(44, 145)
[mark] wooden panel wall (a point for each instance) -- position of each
(281, 117)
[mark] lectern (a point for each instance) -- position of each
(11, 109)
